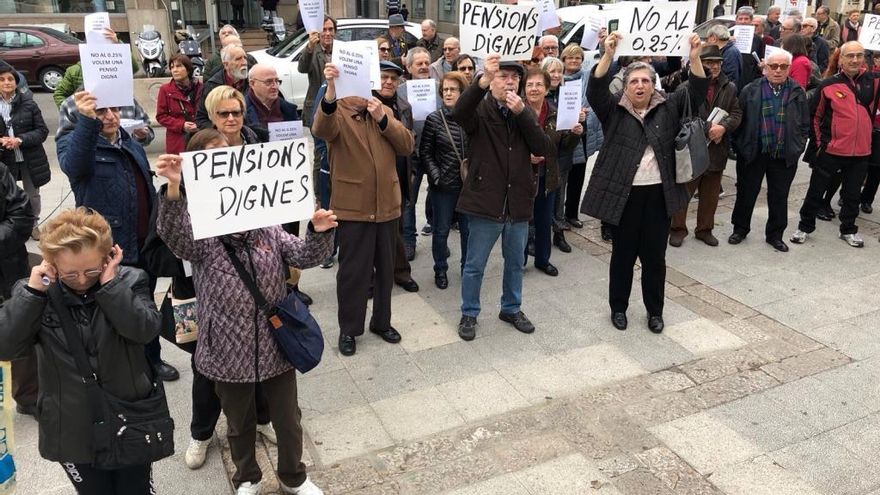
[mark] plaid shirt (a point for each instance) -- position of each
(68, 115)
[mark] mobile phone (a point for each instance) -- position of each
(612, 25)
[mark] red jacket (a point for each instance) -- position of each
(172, 110)
(841, 121)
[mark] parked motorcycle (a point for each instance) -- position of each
(188, 43)
(275, 30)
(152, 50)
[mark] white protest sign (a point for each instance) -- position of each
(312, 12)
(654, 28)
(422, 96)
(94, 25)
(486, 28)
(372, 48)
(131, 124)
(592, 26)
(770, 50)
(353, 61)
(569, 108)
(243, 188)
(547, 18)
(107, 74)
(869, 36)
(788, 5)
(283, 131)
(744, 36)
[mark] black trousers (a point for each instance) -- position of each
(132, 480)
(363, 248)
(872, 181)
(779, 179)
(206, 406)
(574, 189)
(641, 234)
(852, 174)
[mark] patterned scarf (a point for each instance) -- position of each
(773, 118)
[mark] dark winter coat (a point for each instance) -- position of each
(501, 183)
(724, 98)
(16, 221)
(173, 109)
(627, 137)
(747, 139)
(27, 125)
(289, 111)
(438, 153)
(115, 320)
(203, 119)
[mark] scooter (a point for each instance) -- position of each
(152, 50)
(189, 45)
(275, 30)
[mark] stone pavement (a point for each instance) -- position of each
(764, 382)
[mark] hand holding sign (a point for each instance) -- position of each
(314, 38)
(696, 45)
(490, 68)
(324, 220)
(330, 74)
(86, 104)
(169, 166)
(374, 107)
(610, 43)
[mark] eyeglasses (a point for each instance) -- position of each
(450, 49)
(778, 66)
(853, 56)
(225, 114)
(465, 68)
(550, 48)
(69, 277)
(384, 50)
(270, 82)
(450, 90)
(783, 28)
(103, 111)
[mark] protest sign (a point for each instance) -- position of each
(283, 131)
(422, 95)
(869, 36)
(372, 48)
(486, 28)
(352, 58)
(131, 124)
(789, 5)
(312, 12)
(654, 28)
(770, 50)
(744, 36)
(592, 26)
(569, 108)
(94, 25)
(248, 187)
(107, 74)
(547, 18)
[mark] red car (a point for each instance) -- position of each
(40, 54)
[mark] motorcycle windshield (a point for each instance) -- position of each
(149, 35)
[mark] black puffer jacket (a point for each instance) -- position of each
(438, 153)
(28, 125)
(115, 320)
(16, 220)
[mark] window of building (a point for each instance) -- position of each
(62, 6)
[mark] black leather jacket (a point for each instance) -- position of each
(16, 221)
(115, 320)
(438, 152)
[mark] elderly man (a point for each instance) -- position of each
(787, 28)
(318, 52)
(430, 41)
(396, 40)
(771, 22)
(549, 45)
(750, 70)
(722, 95)
(758, 22)
(499, 193)
(769, 146)
(234, 73)
(264, 102)
(842, 122)
(829, 29)
(363, 140)
(451, 49)
(732, 66)
(215, 64)
(821, 51)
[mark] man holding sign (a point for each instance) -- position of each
(363, 140)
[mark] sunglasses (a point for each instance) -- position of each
(465, 68)
(225, 114)
(778, 66)
(384, 50)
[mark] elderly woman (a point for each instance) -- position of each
(633, 183)
(226, 108)
(177, 104)
(236, 348)
(555, 71)
(467, 66)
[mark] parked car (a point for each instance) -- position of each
(285, 56)
(40, 54)
(726, 20)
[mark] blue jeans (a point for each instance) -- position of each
(443, 204)
(482, 236)
(543, 220)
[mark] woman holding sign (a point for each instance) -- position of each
(633, 183)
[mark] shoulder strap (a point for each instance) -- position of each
(449, 134)
(248, 280)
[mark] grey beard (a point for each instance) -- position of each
(240, 75)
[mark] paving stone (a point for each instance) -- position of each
(702, 337)
(387, 376)
(404, 416)
(856, 338)
(572, 474)
(861, 378)
(387, 488)
(678, 279)
(450, 362)
(346, 433)
(744, 330)
(729, 388)
(724, 364)
(641, 482)
(345, 476)
(773, 328)
(605, 364)
(819, 404)
(805, 364)
(766, 422)
(675, 473)
(652, 352)
(328, 392)
(775, 349)
(828, 466)
(861, 437)
(720, 301)
(499, 430)
(662, 409)
(423, 453)
(837, 303)
(507, 348)
(669, 381)
(618, 465)
(702, 308)
(448, 475)
(482, 395)
(523, 453)
(542, 378)
(760, 476)
(506, 484)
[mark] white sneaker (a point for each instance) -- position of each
(268, 432)
(854, 240)
(248, 488)
(196, 453)
(307, 488)
(798, 237)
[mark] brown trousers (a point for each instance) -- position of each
(237, 401)
(709, 185)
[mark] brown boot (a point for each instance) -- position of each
(707, 237)
(676, 237)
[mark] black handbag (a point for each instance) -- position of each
(691, 147)
(124, 433)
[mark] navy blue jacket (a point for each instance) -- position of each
(102, 181)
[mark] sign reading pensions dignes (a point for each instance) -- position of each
(248, 187)
(650, 28)
(508, 30)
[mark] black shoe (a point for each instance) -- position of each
(779, 245)
(305, 298)
(347, 345)
(549, 269)
(409, 285)
(560, 242)
(867, 208)
(165, 372)
(427, 230)
(410, 252)
(390, 335)
(441, 280)
(826, 214)
(26, 410)
(607, 236)
(530, 247)
(518, 320)
(655, 324)
(467, 328)
(574, 222)
(328, 263)
(618, 319)
(454, 226)
(736, 238)
(840, 201)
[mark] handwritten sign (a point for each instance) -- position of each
(248, 187)
(569, 109)
(869, 37)
(94, 25)
(353, 61)
(422, 95)
(284, 131)
(486, 28)
(789, 5)
(370, 46)
(312, 12)
(744, 36)
(547, 18)
(651, 28)
(592, 26)
(107, 74)
(769, 50)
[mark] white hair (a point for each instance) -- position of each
(431, 23)
(548, 37)
(774, 8)
(225, 55)
(719, 31)
(230, 26)
(412, 52)
(781, 53)
(548, 61)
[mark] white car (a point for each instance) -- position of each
(285, 56)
